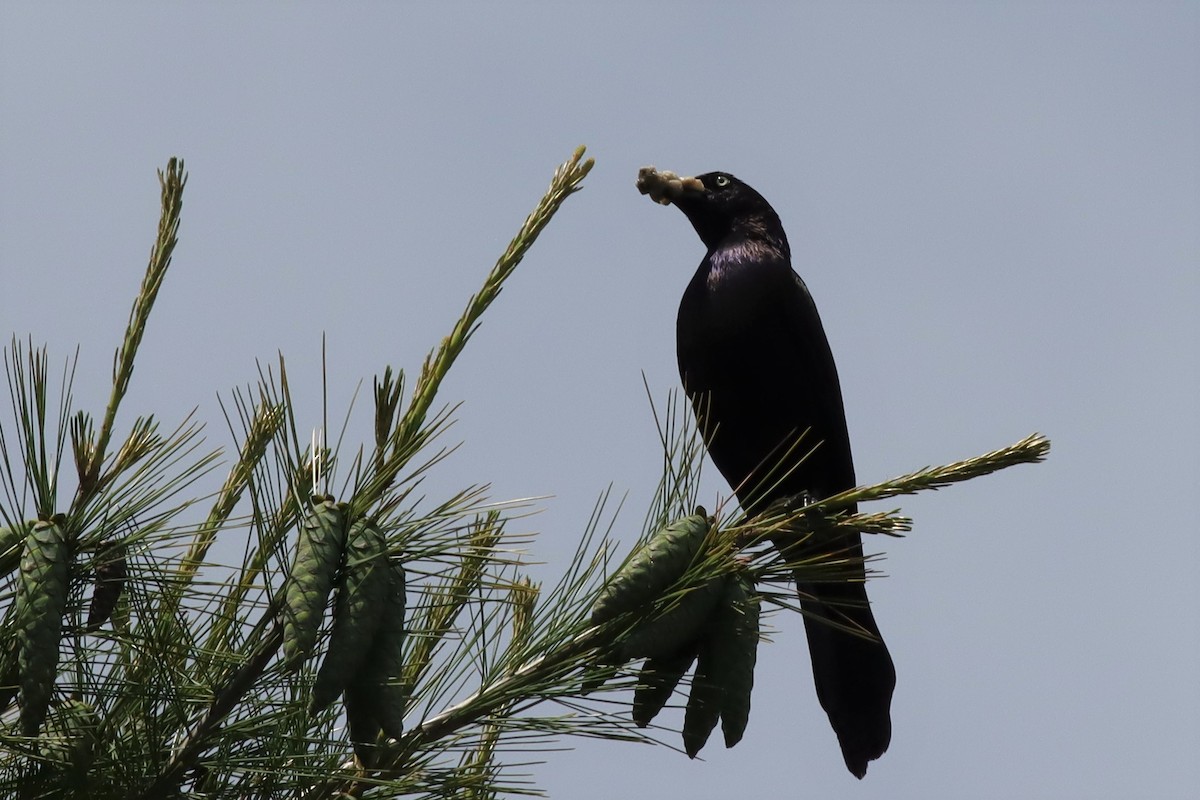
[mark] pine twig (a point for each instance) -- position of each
(566, 181)
(172, 181)
(1032, 449)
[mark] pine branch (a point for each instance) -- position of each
(566, 181)
(791, 510)
(550, 674)
(411, 433)
(172, 181)
(267, 421)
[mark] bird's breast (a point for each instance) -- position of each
(731, 296)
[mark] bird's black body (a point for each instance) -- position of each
(758, 369)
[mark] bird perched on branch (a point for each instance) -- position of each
(757, 367)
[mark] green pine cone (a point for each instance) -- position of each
(653, 568)
(11, 539)
(725, 668)
(111, 572)
(656, 683)
(382, 674)
(41, 600)
(665, 634)
(734, 641)
(703, 706)
(318, 554)
(357, 613)
(362, 723)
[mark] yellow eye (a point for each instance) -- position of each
(722, 181)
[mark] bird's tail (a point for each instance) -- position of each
(854, 675)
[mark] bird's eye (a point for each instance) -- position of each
(722, 181)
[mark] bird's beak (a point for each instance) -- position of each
(666, 187)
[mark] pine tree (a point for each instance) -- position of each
(369, 643)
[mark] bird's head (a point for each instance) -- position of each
(716, 203)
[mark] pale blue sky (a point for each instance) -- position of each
(996, 206)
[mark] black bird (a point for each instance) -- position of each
(757, 367)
